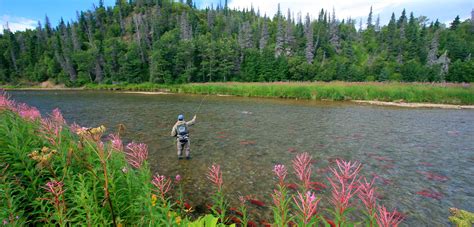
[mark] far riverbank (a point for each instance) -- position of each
(427, 95)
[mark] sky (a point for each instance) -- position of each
(25, 14)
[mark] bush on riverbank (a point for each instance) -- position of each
(407, 92)
(56, 174)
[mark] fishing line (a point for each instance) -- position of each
(199, 108)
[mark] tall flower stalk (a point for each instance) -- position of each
(181, 203)
(27, 112)
(55, 189)
(307, 205)
(280, 197)
(52, 127)
(219, 206)
(367, 196)
(104, 156)
(302, 168)
(281, 172)
(163, 184)
(5, 102)
(388, 219)
(136, 154)
(344, 187)
(243, 210)
(116, 142)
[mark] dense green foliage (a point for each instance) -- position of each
(30, 161)
(162, 41)
(461, 218)
(412, 92)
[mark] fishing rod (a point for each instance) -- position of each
(200, 104)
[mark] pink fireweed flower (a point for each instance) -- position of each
(55, 187)
(116, 142)
(57, 117)
(163, 184)
(347, 170)
(136, 154)
(215, 176)
(307, 205)
(281, 172)
(344, 186)
(367, 195)
(177, 179)
(27, 112)
(5, 102)
(277, 197)
(51, 131)
(242, 200)
(75, 127)
(302, 168)
(388, 219)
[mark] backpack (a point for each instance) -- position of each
(182, 132)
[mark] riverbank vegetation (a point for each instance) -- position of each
(169, 42)
(459, 94)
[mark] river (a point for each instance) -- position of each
(412, 151)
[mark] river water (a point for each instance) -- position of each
(415, 153)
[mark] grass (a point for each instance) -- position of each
(458, 94)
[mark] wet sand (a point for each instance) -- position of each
(415, 105)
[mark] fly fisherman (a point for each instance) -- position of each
(181, 132)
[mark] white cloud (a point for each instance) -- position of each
(16, 23)
(344, 9)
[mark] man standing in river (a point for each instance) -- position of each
(181, 132)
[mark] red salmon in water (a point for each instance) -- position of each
(330, 222)
(292, 186)
(209, 207)
(388, 166)
(426, 164)
(186, 205)
(236, 211)
(317, 185)
(265, 223)
(257, 202)
(430, 194)
(251, 224)
(433, 176)
(384, 180)
(234, 220)
(248, 142)
(323, 170)
(333, 160)
(383, 159)
(321, 146)
(292, 150)
(357, 136)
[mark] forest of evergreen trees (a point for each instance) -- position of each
(163, 41)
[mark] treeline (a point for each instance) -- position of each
(162, 41)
